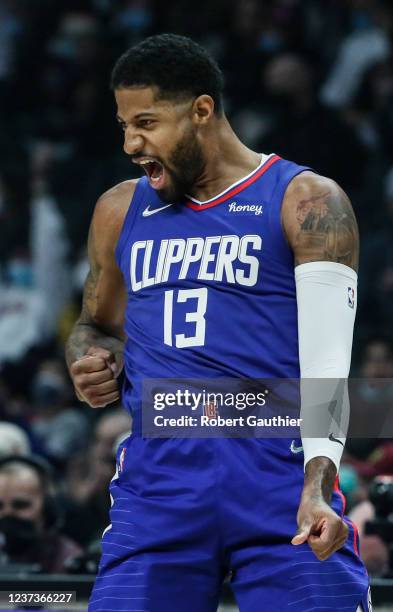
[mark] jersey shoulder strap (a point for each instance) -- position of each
(137, 200)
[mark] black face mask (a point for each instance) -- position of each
(19, 535)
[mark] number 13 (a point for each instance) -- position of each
(197, 317)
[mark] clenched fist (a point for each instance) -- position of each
(95, 377)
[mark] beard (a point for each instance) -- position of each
(187, 163)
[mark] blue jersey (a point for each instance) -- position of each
(211, 294)
(210, 285)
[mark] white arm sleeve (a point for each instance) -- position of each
(326, 301)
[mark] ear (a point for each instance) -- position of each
(203, 109)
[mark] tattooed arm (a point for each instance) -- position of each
(320, 226)
(319, 222)
(95, 347)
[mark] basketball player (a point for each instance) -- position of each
(219, 262)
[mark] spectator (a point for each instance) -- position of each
(302, 128)
(376, 297)
(61, 429)
(367, 43)
(89, 477)
(375, 555)
(49, 244)
(374, 525)
(13, 441)
(29, 519)
(372, 400)
(22, 324)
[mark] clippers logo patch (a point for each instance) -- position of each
(351, 297)
(210, 410)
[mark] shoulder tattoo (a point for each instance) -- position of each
(327, 229)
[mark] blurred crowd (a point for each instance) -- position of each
(311, 80)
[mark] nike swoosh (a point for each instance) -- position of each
(333, 439)
(147, 212)
(295, 449)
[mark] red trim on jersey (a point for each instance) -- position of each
(355, 534)
(355, 537)
(237, 189)
(337, 489)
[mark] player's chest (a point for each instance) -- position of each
(222, 244)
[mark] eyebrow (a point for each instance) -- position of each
(138, 116)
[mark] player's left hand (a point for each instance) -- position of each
(320, 526)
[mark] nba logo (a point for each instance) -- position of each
(210, 410)
(121, 459)
(351, 297)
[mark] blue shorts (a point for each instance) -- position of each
(187, 513)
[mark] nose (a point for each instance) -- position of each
(133, 143)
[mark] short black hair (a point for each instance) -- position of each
(176, 65)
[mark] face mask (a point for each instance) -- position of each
(17, 535)
(48, 388)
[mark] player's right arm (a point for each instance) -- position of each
(94, 350)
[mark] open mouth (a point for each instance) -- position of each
(154, 171)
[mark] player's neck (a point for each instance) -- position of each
(228, 160)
